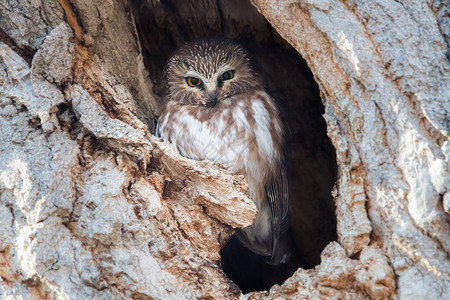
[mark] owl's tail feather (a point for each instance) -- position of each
(282, 250)
(276, 252)
(250, 241)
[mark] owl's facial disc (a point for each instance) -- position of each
(210, 88)
(208, 72)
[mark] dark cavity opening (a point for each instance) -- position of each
(165, 25)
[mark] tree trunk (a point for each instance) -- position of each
(92, 205)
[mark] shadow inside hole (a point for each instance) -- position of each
(311, 164)
(251, 272)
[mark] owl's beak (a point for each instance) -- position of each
(213, 99)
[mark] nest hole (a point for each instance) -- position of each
(167, 24)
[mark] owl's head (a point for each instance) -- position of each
(207, 71)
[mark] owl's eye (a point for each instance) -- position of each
(193, 82)
(227, 75)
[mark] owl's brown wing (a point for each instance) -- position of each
(278, 199)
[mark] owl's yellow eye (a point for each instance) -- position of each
(227, 75)
(193, 82)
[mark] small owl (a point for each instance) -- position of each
(217, 109)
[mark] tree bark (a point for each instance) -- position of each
(92, 205)
(383, 72)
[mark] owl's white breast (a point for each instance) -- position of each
(238, 133)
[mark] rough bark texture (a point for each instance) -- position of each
(94, 206)
(383, 75)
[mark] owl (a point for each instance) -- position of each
(216, 108)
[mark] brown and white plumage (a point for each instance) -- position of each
(218, 109)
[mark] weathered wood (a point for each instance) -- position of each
(383, 74)
(94, 206)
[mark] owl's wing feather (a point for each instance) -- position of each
(277, 197)
(278, 200)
